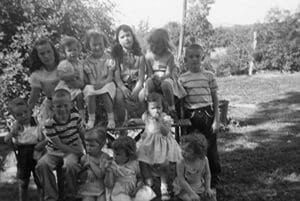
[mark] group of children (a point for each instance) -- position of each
(126, 81)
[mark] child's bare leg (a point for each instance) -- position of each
(110, 110)
(164, 181)
(91, 111)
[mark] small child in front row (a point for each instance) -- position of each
(193, 175)
(201, 104)
(94, 162)
(70, 72)
(122, 174)
(162, 69)
(99, 68)
(158, 148)
(64, 133)
(24, 135)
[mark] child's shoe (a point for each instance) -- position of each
(164, 193)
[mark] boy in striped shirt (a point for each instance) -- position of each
(201, 104)
(64, 148)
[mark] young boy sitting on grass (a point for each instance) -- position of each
(201, 104)
(64, 135)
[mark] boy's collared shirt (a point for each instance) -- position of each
(29, 135)
(68, 133)
(198, 87)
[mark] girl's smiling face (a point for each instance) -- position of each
(72, 52)
(97, 46)
(125, 39)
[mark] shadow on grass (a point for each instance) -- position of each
(283, 110)
(259, 173)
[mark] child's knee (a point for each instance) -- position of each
(166, 86)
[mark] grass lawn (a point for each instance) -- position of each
(260, 154)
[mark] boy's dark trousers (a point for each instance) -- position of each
(25, 166)
(202, 120)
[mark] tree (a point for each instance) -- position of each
(22, 21)
(198, 26)
(174, 32)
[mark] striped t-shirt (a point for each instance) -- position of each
(68, 133)
(198, 87)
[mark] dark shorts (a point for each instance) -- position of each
(25, 161)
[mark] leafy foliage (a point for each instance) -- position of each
(24, 21)
(277, 46)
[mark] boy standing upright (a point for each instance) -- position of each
(201, 104)
(64, 148)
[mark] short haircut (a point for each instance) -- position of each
(154, 97)
(126, 144)
(93, 33)
(194, 46)
(97, 134)
(197, 142)
(67, 41)
(15, 103)
(60, 93)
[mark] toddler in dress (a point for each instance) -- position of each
(158, 147)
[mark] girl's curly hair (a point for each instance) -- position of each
(117, 50)
(126, 144)
(34, 61)
(97, 134)
(197, 142)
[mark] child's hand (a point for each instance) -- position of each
(91, 176)
(126, 92)
(111, 64)
(210, 192)
(216, 126)
(168, 119)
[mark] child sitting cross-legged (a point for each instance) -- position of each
(94, 162)
(24, 135)
(193, 174)
(64, 148)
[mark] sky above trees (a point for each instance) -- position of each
(223, 12)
